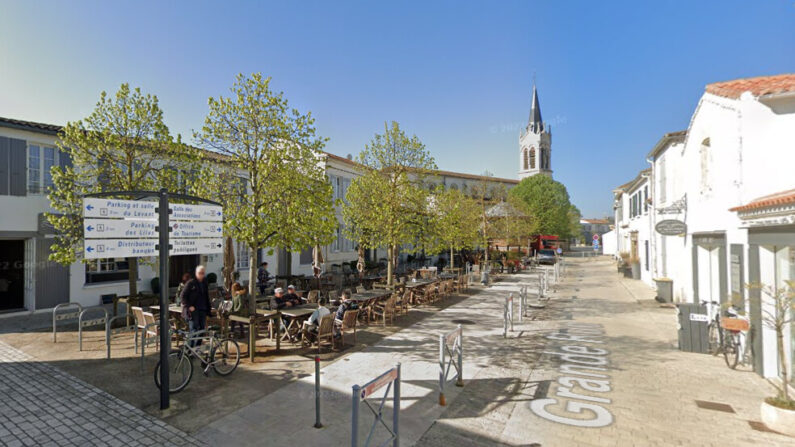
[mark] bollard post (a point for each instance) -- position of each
(521, 303)
(355, 416)
(317, 393)
(460, 380)
(396, 410)
(442, 400)
(505, 319)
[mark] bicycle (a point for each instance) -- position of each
(735, 346)
(714, 329)
(220, 353)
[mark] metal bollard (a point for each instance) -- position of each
(396, 410)
(317, 393)
(442, 365)
(355, 416)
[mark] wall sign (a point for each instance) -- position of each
(671, 227)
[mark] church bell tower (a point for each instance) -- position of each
(535, 143)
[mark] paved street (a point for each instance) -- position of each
(653, 393)
(44, 406)
(636, 388)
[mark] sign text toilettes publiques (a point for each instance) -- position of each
(127, 228)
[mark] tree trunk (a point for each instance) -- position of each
(389, 264)
(132, 277)
(252, 273)
(783, 362)
(451, 258)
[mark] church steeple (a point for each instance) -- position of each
(535, 143)
(535, 124)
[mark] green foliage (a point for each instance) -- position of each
(574, 228)
(122, 145)
(454, 222)
(548, 202)
(387, 206)
(271, 178)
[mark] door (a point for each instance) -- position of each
(12, 275)
(179, 265)
(52, 279)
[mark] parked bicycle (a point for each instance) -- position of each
(735, 346)
(714, 330)
(220, 353)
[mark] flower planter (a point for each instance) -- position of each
(778, 419)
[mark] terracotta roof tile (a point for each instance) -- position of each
(779, 198)
(759, 86)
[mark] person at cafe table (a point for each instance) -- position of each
(282, 301)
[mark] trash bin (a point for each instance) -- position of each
(665, 290)
(693, 328)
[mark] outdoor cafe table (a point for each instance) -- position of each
(365, 299)
(295, 315)
(448, 276)
(412, 285)
(253, 321)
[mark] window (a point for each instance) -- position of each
(524, 159)
(532, 158)
(646, 199)
(305, 258)
(241, 256)
(107, 270)
(40, 160)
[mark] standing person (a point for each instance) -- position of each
(195, 300)
(181, 286)
(263, 276)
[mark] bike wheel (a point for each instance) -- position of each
(731, 350)
(225, 356)
(714, 339)
(180, 371)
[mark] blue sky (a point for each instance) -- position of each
(612, 76)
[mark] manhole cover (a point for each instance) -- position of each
(463, 322)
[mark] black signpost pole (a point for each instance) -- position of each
(165, 338)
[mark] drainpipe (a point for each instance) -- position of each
(653, 219)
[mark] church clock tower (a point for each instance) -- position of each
(535, 142)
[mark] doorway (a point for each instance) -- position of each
(179, 265)
(12, 275)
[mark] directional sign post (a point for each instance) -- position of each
(115, 228)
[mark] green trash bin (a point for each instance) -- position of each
(665, 290)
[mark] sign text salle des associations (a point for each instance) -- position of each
(128, 228)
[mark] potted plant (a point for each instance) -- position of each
(778, 412)
(634, 262)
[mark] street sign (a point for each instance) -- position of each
(196, 229)
(120, 209)
(196, 212)
(119, 228)
(596, 237)
(131, 248)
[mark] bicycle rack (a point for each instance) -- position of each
(390, 379)
(508, 315)
(88, 323)
(456, 359)
(110, 331)
(60, 317)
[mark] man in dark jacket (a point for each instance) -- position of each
(195, 301)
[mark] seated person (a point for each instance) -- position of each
(282, 301)
(345, 306)
(239, 305)
(311, 325)
(292, 296)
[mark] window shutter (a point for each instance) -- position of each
(17, 159)
(4, 164)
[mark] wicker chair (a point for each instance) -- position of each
(313, 296)
(360, 289)
(386, 310)
(325, 332)
(348, 322)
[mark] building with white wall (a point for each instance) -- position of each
(632, 209)
(728, 180)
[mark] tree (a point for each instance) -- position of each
(517, 224)
(574, 227)
(122, 145)
(271, 178)
(486, 194)
(387, 206)
(455, 221)
(548, 203)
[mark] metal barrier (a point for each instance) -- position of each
(508, 316)
(110, 331)
(390, 379)
(88, 323)
(456, 359)
(67, 316)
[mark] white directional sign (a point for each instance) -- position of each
(120, 209)
(195, 229)
(118, 228)
(131, 248)
(196, 212)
